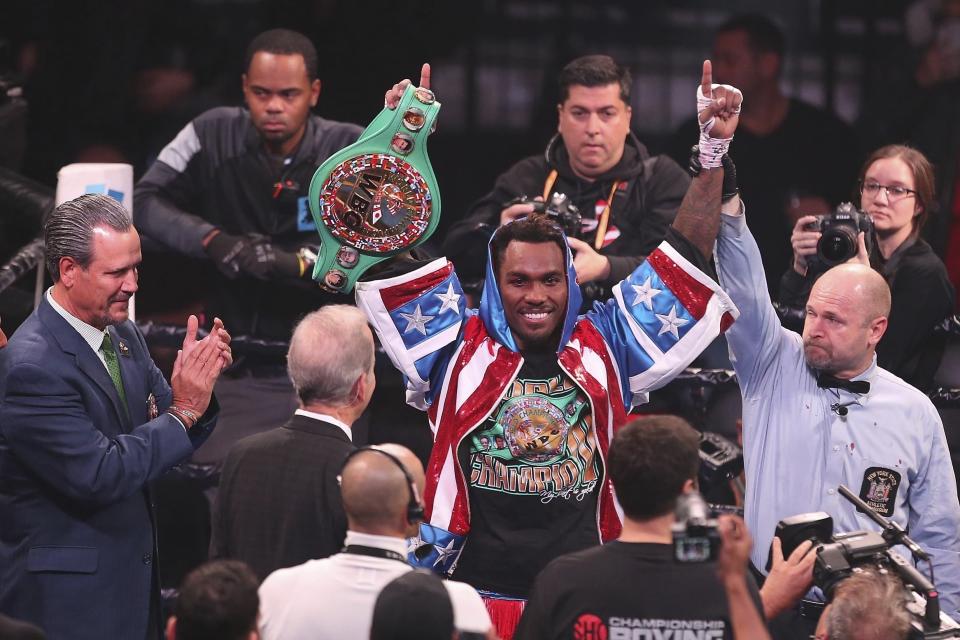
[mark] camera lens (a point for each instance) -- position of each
(837, 244)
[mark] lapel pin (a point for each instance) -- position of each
(124, 349)
(152, 411)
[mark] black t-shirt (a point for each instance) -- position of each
(627, 590)
(534, 476)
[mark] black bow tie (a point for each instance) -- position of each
(825, 381)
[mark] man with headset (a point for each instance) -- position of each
(334, 598)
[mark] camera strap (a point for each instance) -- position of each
(548, 185)
(604, 220)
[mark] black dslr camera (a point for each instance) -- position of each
(558, 208)
(840, 555)
(839, 231)
(696, 537)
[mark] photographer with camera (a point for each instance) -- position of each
(897, 194)
(818, 412)
(668, 570)
(627, 197)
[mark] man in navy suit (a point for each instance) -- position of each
(86, 422)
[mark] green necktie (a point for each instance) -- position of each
(113, 367)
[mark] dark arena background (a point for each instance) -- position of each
(113, 81)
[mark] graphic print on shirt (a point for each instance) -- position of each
(591, 627)
(539, 442)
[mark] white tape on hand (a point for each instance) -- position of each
(711, 149)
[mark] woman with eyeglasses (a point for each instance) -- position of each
(896, 189)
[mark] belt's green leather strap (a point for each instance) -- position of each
(379, 196)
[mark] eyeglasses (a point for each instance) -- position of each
(894, 192)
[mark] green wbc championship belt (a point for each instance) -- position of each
(377, 197)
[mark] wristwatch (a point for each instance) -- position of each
(379, 196)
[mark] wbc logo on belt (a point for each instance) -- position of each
(376, 203)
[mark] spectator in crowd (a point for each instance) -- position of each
(414, 606)
(627, 197)
(652, 462)
(897, 192)
(792, 158)
(87, 421)
(819, 412)
(335, 597)
(231, 187)
(217, 601)
(926, 113)
(866, 606)
(279, 502)
(528, 371)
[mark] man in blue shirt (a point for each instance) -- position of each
(818, 412)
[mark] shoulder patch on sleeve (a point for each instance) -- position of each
(178, 153)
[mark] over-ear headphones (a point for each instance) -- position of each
(415, 505)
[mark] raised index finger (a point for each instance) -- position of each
(706, 79)
(425, 75)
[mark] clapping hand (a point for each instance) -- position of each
(196, 369)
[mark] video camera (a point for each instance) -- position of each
(839, 230)
(696, 537)
(559, 208)
(840, 555)
(695, 534)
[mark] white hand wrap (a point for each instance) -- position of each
(712, 149)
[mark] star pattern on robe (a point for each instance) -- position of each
(449, 300)
(645, 294)
(416, 321)
(669, 323)
(414, 543)
(443, 553)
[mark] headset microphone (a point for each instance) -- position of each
(415, 504)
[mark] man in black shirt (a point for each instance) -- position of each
(793, 158)
(633, 584)
(232, 188)
(627, 196)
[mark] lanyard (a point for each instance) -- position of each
(604, 215)
(375, 552)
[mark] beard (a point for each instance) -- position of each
(818, 357)
(108, 316)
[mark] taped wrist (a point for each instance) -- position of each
(712, 149)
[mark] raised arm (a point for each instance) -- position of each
(718, 112)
